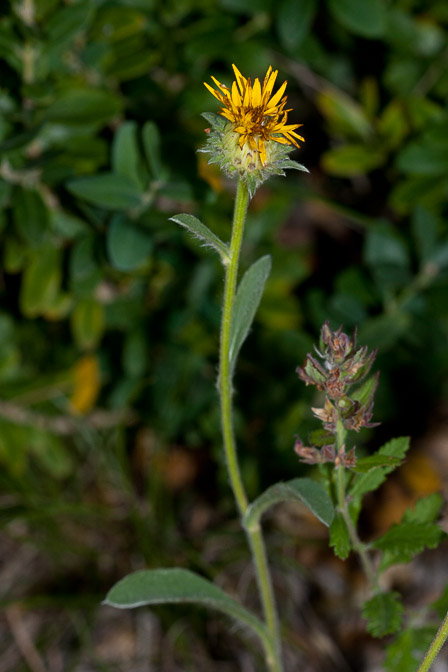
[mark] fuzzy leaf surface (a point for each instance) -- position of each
(383, 613)
(199, 230)
(305, 490)
(168, 586)
(247, 300)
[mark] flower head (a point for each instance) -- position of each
(259, 116)
(253, 139)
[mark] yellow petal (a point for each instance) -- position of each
(275, 99)
(269, 85)
(236, 98)
(241, 81)
(247, 94)
(214, 93)
(256, 93)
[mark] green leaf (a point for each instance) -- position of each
(294, 18)
(424, 229)
(366, 464)
(424, 158)
(168, 586)
(52, 452)
(84, 106)
(384, 246)
(405, 652)
(366, 18)
(247, 300)
(110, 191)
(405, 540)
(151, 145)
(125, 154)
(365, 392)
(364, 483)
(64, 24)
(305, 490)
(384, 331)
(199, 230)
(383, 613)
(351, 160)
(426, 509)
(128, 245)
(339, 537)
(30, 216)
(88, 323)
(41, 282)
(345, 116)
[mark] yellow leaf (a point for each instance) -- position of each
(87, 384)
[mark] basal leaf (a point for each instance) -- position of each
(168, 586)
(199, 230)
(305, 490)
(247, 300)
(383, 613)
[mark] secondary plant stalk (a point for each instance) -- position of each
(437, 643)
(357, 544)
(272, 647)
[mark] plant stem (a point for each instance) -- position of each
(437, 643)
(272, 644)
(357, 544)
(225, 382)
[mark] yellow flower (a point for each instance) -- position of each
(258, 115)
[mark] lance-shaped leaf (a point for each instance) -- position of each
(169, 586)
(366, 464)
(305, 490)
(247, 300)
(199, 230)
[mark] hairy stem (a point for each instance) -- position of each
(272, 644)
(437, 643)
(357, 544)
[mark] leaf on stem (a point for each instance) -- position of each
(199, 230)
(305, 490)
(363, 483)
(339, 537)
(383, 614)
(247, 300)
(169, 586)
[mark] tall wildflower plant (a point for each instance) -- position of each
(251, 140)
